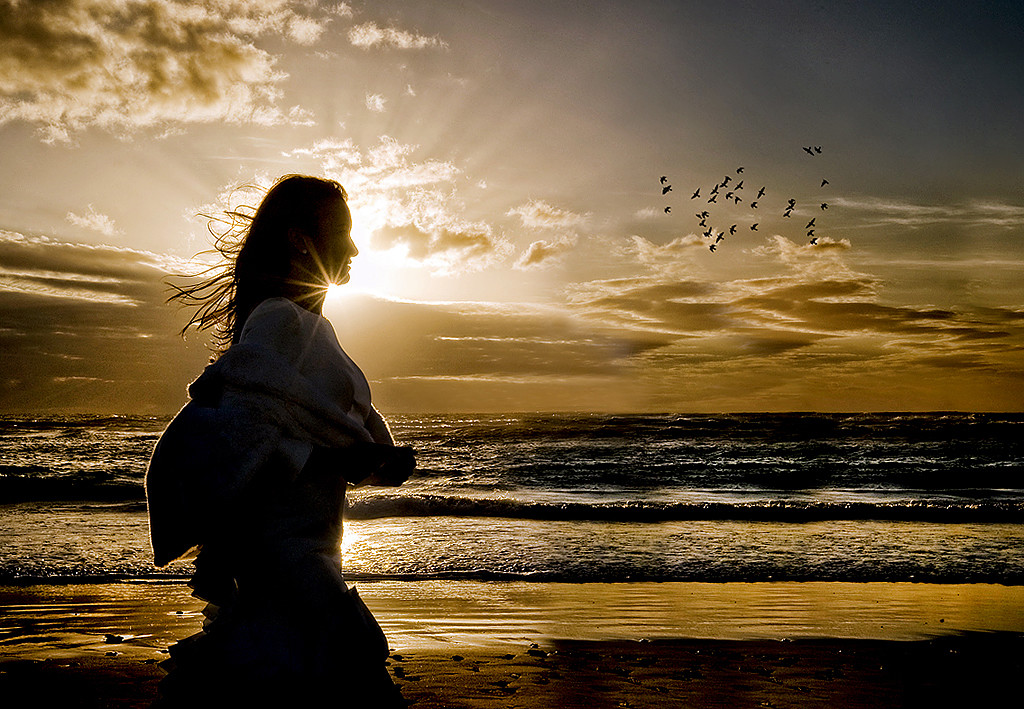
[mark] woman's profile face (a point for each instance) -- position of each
(337, 248)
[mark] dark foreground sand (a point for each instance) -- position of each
(99, 645)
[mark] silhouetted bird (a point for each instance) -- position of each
(664, 179)
(725, 181)
(732, 229)
(740, 185)
(753, 227)
(668, 210)
(817, 149)
(712, 247)
(728, 195)
(739, 170)
(760, 193)
(824, 182)
(696, 194)
(703, 223)
(753, 205)
(666, 189)
(809, 151)
(721, 236)
(714, 190)
(810, 232)
(814, 240)
(737, 200)
(810, 224)
(824, 206)
(709, 233)
(786, 213)
(714, 199)
(705, 214)
(792, 203)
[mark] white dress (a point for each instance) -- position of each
(233, 477)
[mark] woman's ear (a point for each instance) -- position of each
(298, 241)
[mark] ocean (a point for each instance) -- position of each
(929, 497)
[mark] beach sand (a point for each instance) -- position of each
(473, 644)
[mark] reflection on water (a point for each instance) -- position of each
(49, 620)
(431, 613)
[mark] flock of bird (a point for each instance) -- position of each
(728, 189)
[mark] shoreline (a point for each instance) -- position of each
(532, 644)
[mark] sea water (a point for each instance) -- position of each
(936, 497)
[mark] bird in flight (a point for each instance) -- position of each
(817, 149)
(753, 205)
(810, 232)
(668, 210)
(726, 181)
(721, 236)
(664, 179)
(666, 189)
(739, 170)
(814, 241)
(760, 193)
(712, 247)
(824, 182)
(809, 151)
(737, 200)
(696, 194)
(740, 185)
(824, 206)
(732, 229)
(714, 199)
(753, 227)
(810, 224)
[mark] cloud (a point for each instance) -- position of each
(376, 103)
(544, 253)
(538, 214)
(371, 36)
(94, 221)
(66, 65)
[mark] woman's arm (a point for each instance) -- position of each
(366, 463)
(378, 428)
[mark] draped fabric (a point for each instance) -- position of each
(234, 480)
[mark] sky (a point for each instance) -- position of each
(504, 163)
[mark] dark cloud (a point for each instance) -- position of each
(86, 329)
(543, 253)
(472, 246)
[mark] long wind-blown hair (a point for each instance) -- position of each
(255, 255)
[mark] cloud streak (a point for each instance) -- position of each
(876, 211)
(94, 221)
(369, 35)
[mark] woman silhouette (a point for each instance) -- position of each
(251, 474)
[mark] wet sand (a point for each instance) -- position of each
(468, 644)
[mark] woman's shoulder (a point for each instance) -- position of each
(276, 315)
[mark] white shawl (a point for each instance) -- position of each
(286, 386)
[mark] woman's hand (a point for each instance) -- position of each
(394, 467)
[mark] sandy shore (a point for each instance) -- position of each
(464, 644)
